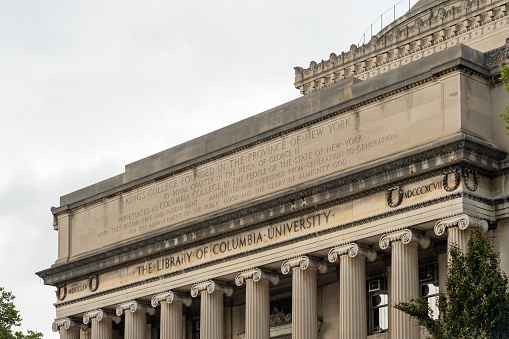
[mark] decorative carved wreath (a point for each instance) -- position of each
(466, 171)
(457, 178)
(389, 196)
(93, 283)
(59, 292)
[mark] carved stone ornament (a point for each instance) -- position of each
(93, 283)
(278, 318)
(256, 274)
(457, 179)
(352, 250)
(462, 221)
(303, 262)
(65, 323)
(170, 297)
(134, 306)
(398, 202)
(100, 315)
(405, 236)
(466, 172)
(211, 286)
(61, 292)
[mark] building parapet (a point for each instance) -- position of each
(421, 32)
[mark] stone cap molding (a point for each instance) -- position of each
(303, 262)
(256, 274)
(134, 306)
(99, 315)
(352, 249)
(462, 221)
(170, 297)
(210, 286)
(405, 236)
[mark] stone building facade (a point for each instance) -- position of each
(309, 220)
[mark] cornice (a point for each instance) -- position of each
(297, 204)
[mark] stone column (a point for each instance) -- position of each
(101, 323)
(459, 230)
(86, 333)
(211, 307)
(171, 313)
(257, 301)
(304, 295)
(353, 317)
(404, 278)
(135, 318)
(68, 328)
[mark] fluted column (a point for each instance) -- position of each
(135, 318)
(86, 333)
(171, 313)
(68, 328)
(211, 308)
(352, 288)
(257, 301)
(404, 278)
(459, 229)
(101, 323)
(304, 295)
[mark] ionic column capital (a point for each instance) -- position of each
(352, 249)
(100, 315)
(404, 236)
(66, 323)
(256, 274)
(462, 221)
(134, 306)
(170, 297)
(303, 263)
(211, 286)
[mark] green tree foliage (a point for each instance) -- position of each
(476, 302)
(9, 317)
(504, 77)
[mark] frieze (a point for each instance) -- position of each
(331, 203)
(337, 228)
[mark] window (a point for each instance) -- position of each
(378, 305)
(428, 280)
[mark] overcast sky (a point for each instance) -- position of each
(87, 87)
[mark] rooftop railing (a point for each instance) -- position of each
(386, 17)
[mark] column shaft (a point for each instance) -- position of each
(102, 329)
(257, 309)
(211, 315)
(71, 333)
(304, 297)
(85, 334)
(135, 325)
(405, 286)
(171, 320)
(352, 298)
(458, 237)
